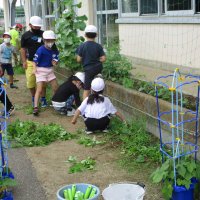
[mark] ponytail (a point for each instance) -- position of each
(95, 97)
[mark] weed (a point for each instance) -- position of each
(90, 142)
(83, 165)
(30, 133)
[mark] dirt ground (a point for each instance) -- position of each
(49, 162)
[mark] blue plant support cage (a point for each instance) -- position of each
(5, 172)
(176, 121)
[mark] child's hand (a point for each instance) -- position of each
(25, 65)
(73, 121)
(54, 63)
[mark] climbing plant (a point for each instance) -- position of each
(66, 29)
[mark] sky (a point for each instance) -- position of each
(1, 3)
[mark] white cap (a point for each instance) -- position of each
(7, 33)
(91, 29)
(49, 35)
(97, 84)
(80, 76)
(36, 21)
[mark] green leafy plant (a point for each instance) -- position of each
(117, 67)
(66, 29)
(83, 165)
(135, 142)
(186, 169)
(30, 133)
(90, 142)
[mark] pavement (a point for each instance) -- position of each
(28, 187)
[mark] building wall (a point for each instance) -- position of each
(177, 44)
(87, 9)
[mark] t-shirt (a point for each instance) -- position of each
(6, 53)
(90, 52)
(31, 42)
(43, 57)
(65, 91)
(14, 37)
(97, 110)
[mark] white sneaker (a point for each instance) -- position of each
(88, 132)
(71, 113)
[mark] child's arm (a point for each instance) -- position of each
(102, 58)
(34, 68)
(118, 114)
(77, 113)
(15, 57)
(23, 56)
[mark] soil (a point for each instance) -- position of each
(49, 161)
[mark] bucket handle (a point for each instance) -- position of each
(129, 182)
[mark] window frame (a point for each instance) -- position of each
(104, 12)
(181, 12)
(190, 12)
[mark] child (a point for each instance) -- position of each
(92, 56)
(45, 58)
(6, 51)
(67, 93)
(96, 109)
(9, 108)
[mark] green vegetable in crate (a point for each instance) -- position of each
(70, 194)
(87, 192)
(79, 195)
(73, 191)
(93, 192)
(66, 196)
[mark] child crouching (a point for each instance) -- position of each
(96, 109)
(68, 93)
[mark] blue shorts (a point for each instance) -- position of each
(8, 68)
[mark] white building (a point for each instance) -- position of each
(157, 33)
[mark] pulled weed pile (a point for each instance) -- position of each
(30, 133)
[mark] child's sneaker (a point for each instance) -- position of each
(88, 132)
(13, 86)
(35, 111)
(43, 102)
(71, 113)
(10, 112)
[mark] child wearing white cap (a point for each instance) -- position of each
(91, 55)
(6, 52)
(96, 109)
(44, 59)
(68, 93)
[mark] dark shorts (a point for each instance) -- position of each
(90, 74)
(8, 68)
(93, 124)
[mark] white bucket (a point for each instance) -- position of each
(124, 191)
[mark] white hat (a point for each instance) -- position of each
(7, 33)
(49, 35)
(80, 76)
(97, 84)
(36, 21)
(91, 29)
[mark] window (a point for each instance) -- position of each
(149, 6)
(157, 7)
(173, 5)
(197, 6)
(107, 13)
(112, 4)
(129, 6)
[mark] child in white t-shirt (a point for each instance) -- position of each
(96, 109)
